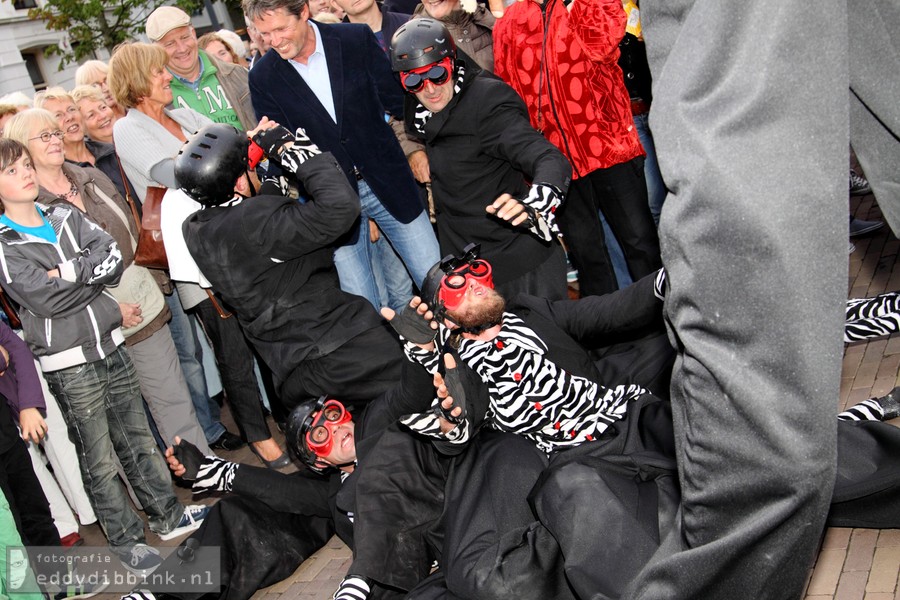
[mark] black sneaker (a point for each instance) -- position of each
(859, 185)
(141, 559)
(228, 441)
(859, 227)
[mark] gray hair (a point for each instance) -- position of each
(256, 9)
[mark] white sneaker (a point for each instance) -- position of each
(190, 520)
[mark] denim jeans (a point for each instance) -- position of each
(656, 188)
(414, 242)
(101, 403)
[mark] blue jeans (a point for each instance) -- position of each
(101, 403)
(656, 188)
(189, 355)
(414, 242)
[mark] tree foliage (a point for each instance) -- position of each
(95, 24)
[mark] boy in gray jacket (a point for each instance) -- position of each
(56, 264)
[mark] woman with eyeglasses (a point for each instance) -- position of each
(141, 303)
(78, 148)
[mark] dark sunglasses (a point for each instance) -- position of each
(438, 74)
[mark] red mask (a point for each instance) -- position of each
(320, 436)
(455, 283)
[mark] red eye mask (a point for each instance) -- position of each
(456, 282)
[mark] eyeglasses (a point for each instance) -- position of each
(437, 73)
(321, 426)
(48, 135)
(458, 271)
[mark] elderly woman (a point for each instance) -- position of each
(214, 45)
(95, 73)
(471, 28)
(141, 302)
(79, 149)
(147, 139)
(97, 116)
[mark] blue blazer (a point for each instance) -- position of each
(364, 88)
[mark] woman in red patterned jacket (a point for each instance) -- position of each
(561, 57)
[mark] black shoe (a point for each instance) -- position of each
(859, 227)
(228, 441)
(279, 463)
(890, 403)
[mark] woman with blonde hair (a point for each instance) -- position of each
(147, 139)
(95, 73)
(141, 302)
(215, 46)
(79, 149)
(96, 114)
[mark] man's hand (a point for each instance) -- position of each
(374, 232)
(415, 323)
(451, 395)
(131, 314)
(263, 125)
(34, 428)
(174, 464)
(421, 169)
(53, 273)
(508, 209)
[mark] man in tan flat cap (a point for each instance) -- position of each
(213, 88)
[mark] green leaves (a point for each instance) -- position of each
(96, 24)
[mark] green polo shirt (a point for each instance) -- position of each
(205, 95)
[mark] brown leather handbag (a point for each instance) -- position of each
(150, 251)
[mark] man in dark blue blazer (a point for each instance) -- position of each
(335, 82)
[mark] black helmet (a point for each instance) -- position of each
(420, 42)
(209, 164)
(298, 424)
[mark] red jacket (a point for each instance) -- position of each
(581, 80)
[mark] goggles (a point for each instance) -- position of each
(459, 272)
(319, 429)
(437, 73)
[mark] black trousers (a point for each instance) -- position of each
(620, 192)
(357, 372)
(26, 498)
(235, 361)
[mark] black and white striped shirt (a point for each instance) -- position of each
(529, 394)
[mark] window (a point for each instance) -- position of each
(34, 70)
(24, 4)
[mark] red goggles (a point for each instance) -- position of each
(437, 73)
(320, 432)
(456, 281)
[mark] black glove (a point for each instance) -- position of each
(413, 326)
(458, 393)
(272, 140)
(190, 457)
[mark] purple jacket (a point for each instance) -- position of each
(19, 383)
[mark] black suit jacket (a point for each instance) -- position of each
(364, 90)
